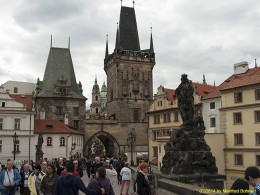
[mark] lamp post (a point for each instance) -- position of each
(15, 138)
(131, 142)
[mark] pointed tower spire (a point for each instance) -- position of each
(106, 54)
(121, 3)
(127, 31)
(117, 37)
(255, 63)
(133, 4)
(151, 41)
(214, 83)
(51, 41)
(69, 43)
(204, 80)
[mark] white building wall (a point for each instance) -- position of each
(211, 113)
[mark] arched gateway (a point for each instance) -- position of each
(101, 144)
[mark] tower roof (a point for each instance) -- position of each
(95, 88)
(59, 65)
(128, 32)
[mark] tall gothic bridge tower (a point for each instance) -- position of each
(129, 71)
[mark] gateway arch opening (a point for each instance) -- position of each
(102, 144)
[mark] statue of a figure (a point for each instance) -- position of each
(93, 148)
(40, 142)
(184, 93)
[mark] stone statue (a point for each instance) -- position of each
(39, 143)
(184, 93)
(187, 152)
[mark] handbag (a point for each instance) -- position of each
(10, 188)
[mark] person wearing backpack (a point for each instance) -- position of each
(119, 166)
(101, 182)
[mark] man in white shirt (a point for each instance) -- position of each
(9, 179)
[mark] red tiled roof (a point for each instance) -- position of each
(250, 77)
(23, 99)
(53, 126)
(170, 94)
(203, 89)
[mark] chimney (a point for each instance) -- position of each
(240, 67)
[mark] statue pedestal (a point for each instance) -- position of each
(39, 156)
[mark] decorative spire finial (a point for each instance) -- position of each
(69, 43)
(133, 4)
(51, 41)
(121, 2)
(255, 63)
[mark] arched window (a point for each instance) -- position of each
(96, 98)
(49, 141)
(62, 141)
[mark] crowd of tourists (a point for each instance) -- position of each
(63, 177)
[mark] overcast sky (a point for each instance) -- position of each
(190, 36)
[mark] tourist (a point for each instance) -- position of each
(88, 167)
(252, 175)
(9, 179)
(34, 180)
(69, 184)
(238, 187)
(97, 164)
(60, 166)
(44, 167)
(25, 173)
(101, 181)
(78, 168)
(142, 184)
(119, 165)
(49, 181)
(126, 178)
(111, 173)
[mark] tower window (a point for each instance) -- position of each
(76, 124)
(59, 110)
(76, 111)
(96, 98)
(96, 110)
(136, 115)
(3, 104)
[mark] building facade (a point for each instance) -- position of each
(16, 118)
(240, 119)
